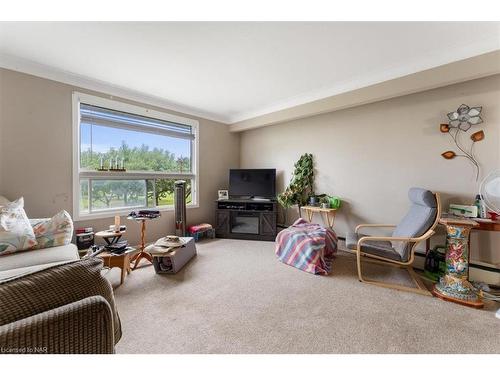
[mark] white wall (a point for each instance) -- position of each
(36, 154)
(370, 155)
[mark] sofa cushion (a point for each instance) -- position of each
(16, 233)
(56, 231)
(23, 259)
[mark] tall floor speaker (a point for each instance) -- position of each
(180, 208)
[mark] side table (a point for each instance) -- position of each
(328, 214)
(111, 237)
(142, 252)
(121, 261)
(454, 286)
(487, 225)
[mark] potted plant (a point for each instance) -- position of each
(324, 201)
(301, 184)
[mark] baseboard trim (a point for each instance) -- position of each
(478, 272)
(472, 265)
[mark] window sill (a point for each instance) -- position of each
(124, 212)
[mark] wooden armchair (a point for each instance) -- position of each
(399, 248)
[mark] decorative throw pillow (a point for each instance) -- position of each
(16, 233)
(56, 231)
(3, 201)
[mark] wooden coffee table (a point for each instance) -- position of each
(121, 261)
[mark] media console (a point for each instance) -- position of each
(246, 219)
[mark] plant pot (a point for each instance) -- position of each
(335, 202)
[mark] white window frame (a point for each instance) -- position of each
(78, 98)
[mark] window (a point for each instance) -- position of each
(128, 157)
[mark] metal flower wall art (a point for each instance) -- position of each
(460, 121)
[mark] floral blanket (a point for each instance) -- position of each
(308, 247)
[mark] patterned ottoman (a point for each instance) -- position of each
(308, 247)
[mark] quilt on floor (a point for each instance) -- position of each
(308, 247)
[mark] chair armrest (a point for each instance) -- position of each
(373, 226)
(392, 238)
(81, 327)
(28, 295)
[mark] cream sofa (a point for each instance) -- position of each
(48, 295)
(30, 261)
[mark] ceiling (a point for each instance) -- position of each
(233, 71)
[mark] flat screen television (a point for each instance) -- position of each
(252, 183)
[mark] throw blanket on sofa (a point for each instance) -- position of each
(308, 247)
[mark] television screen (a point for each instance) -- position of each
(259, 183)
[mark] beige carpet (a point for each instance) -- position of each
(235, 297)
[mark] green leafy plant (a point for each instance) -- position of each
(301, 184)
(324, 199)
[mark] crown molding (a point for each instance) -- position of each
(455, 72)
(54, 74)
(299, 106)
(452, 54)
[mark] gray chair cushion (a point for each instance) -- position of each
(380, 248)
(417, 221)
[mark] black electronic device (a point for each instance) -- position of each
(84, 240)
(252, 183)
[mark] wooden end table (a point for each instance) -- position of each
(328, 214)
(454, 286)
(487, 225)
(121, 261)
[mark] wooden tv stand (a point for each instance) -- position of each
(246, 219)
